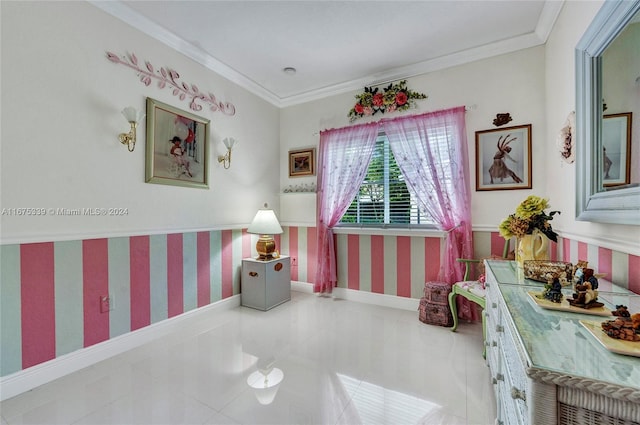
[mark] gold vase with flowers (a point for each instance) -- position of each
(530, 225)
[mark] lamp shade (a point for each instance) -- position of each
(265, 223)
(131, 115)
(229, 142)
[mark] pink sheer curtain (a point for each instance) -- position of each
(431, 150)
(343, 159)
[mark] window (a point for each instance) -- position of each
(383, 198)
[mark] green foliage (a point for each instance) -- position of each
(370, 198)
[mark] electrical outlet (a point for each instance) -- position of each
(294, 261)
(106, 303)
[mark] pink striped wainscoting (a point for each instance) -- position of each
(50, 293)
(300, 244)
(399, 265)
(37, 312)
(391, 265)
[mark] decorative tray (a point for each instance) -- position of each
(628, 348)
(565, 306)
(544, 270)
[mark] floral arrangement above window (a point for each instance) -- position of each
(528, 217)
(394, 97)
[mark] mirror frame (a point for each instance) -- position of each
(620, 206)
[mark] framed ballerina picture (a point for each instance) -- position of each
(503, 158)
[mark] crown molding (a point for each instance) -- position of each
(547, 19)
(119, 10)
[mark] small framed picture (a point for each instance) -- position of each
(503, 158)
(302, 162)
(616, 149)
(177, 146)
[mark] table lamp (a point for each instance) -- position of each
(265, 224)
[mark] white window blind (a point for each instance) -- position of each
(383, 198)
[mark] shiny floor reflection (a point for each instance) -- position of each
(314, 360)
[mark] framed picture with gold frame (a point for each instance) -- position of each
(177, 147)
(503, 158)
(302, 162)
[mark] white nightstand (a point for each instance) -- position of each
(265, 284)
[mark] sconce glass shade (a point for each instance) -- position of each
(131, 115)
(229, 142)
(265, 224)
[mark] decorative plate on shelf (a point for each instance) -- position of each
(628, 348)
(565, 306)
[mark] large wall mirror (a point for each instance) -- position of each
(608, 116)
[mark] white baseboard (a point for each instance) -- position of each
(383, 300)
(305, 287)
(27, 379)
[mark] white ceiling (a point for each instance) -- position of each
(336, 46)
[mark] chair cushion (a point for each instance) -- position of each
(473, 286)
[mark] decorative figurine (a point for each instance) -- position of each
(553, 291)
(621, 311)
(578, 269)
(589, 277)
(586, 295)
(625, 328)
(502, 119)
(577, 275)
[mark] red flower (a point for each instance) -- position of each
(358, 108)
(378, 99)
(401, 98)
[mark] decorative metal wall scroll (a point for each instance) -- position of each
(168, 77)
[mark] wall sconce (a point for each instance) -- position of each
(133, 117)
(226, 158)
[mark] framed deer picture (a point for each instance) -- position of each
(503, 158)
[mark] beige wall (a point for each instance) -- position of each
(535, 86)
(506, 83)
(560, 100)
(60, 118)
(61, 103)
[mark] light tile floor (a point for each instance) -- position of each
(343, 363)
